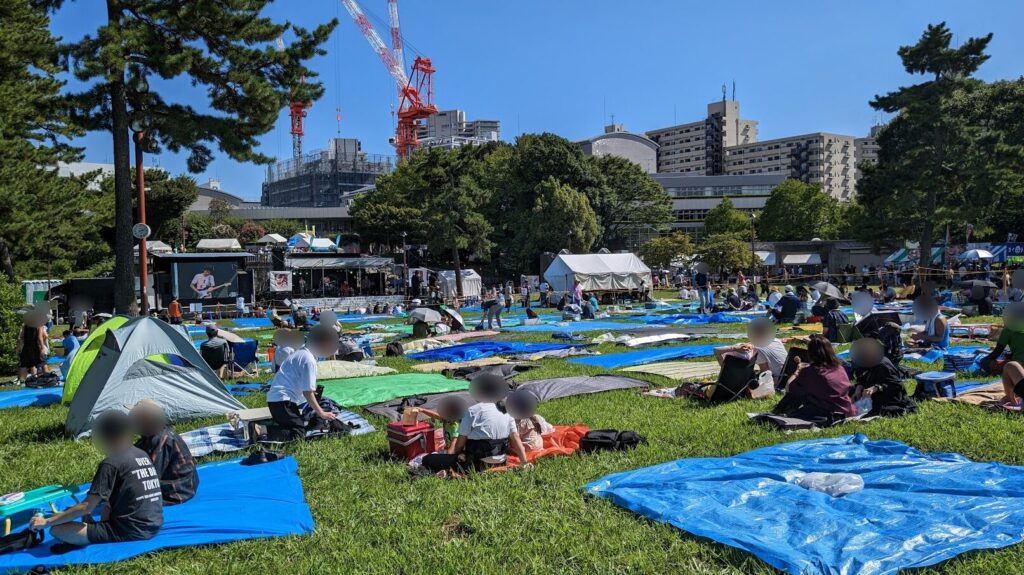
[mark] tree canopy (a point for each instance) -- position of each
(726, 219)
(727, 252)
(663, 251)
(798, 211)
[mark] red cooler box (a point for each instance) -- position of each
(408, 441)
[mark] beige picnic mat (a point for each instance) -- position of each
(439, 366)
(680, 370)
(978, 396)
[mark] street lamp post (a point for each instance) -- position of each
(405, 265)
(139, 125)
(753, 254)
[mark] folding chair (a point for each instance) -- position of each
(735, 379)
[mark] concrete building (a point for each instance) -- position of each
(322, 178)
(866, 149)
(694, 196)
(450, 129)
(819, 158)
(698, 148)
(616, 141)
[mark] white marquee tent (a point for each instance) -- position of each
(598, 272)
(472, 283)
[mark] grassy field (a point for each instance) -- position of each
(372, 517)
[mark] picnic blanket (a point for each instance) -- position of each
(234, 502)
(346, 369)
(645, 356)
(693, 318)
(439, 366)
(680, 370)
(459, 336)
(915, 509)
(30, 397)
(976, 393)
(375, 389)
(253, 323)
(574, 326)
(214, 439)
(796, 424)
(544, 389)
(564, 440)
(480, 349)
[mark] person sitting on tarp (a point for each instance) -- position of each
(125, 480)
(787, 308)
(732, 301)
(484, 431)
(877, 378)
(935, 334)
(763, 348)
(169, 453)
(295, 383)
(522, 405)
(216, 351)
(833, 318)
(587, 309)
(1011, 371)
(819, 391)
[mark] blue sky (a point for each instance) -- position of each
(565, 66)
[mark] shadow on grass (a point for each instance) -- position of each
(43, 434)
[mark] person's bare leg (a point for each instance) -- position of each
(73, 533)
(1013, 374)
(22, 373)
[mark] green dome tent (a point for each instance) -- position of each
(86, 354)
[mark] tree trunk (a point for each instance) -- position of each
(124, 272)
(6, 262)
(457, 264)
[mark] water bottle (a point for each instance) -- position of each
(38, 513)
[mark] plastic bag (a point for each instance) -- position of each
(834, 484)
(863, 405)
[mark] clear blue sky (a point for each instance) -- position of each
(565, 66)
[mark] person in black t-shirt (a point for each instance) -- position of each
(125, 480)
(167, 450)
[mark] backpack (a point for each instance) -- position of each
(20, 541)
(42, 381)
(394, 349)
(610, 440)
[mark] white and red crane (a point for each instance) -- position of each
(297, 113)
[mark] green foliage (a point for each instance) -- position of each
(11, 299)
(167, 199)
(286, 228)
(250, 232)
(952, 153)
(219, 210)
(727, 252)
(798, 211)
(726, 219)
(568, 221)
(629, 198)
(661, 252)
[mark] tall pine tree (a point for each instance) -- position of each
(224, 48)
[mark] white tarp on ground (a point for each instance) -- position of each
(598, 272)
(472, 283)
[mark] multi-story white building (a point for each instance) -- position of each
(819, 158)
(698, 148)
(694, 196)
(616, 141)
(450, 129)
(867, 149)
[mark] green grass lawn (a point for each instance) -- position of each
(372, 517)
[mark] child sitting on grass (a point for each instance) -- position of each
(522, 405)
(125, 481)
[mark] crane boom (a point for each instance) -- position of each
(386, 56)
(297, 113)
(396, 33)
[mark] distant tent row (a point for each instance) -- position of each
(127, 360)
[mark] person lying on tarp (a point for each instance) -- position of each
(295, 383)
(819, 391)
(485, 433)
(522, 406)
(935, 334)
(878, 379)
(125, 481)
(763, 348)
(1012, 371)
(167, 450)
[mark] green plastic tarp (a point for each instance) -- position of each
(358, 391)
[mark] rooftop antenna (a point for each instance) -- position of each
(613, 118)
(723, 92)
(734, 90)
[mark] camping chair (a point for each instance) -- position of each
(789, 368)
(736, 378)
(215, 356)
(242, 355)
(847, 333)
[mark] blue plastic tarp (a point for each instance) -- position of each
(30, 397)
(575, 326)
(645, 356)
(253, 322)
(693, 318)
(233, 503)
(916, 509)
(481, 349)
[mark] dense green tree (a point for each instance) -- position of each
(250, 232)
(48, 224)
(225, 50)
(167, 199)
(10, 322)
(798, 211)
(726, 219)
(219, 210)
(286, 228)
(561, 218)
(629, 200)
(727, 252)
(928, 156)
(662, 252)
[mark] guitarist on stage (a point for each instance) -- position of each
(203, 283)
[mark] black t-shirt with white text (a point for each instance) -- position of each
(129, 484)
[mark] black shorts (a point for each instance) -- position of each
(108, 532)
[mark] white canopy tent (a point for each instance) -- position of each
(598, 272)
(767, 258)
(802, 260)
(472, 283)
(219, 245)
(272, 239)
(155, 247)
(322, 245)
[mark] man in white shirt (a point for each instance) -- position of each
(763, 349)
(773, 297)
(295, 383)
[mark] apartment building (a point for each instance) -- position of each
(866, 149)
(450, 129)
(699, 148)
(819, 158)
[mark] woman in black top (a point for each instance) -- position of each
(31, 342)
(876, 377)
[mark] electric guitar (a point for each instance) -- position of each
(208, 292)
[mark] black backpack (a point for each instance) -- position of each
(20, 541)
(610, 440)
(394, 349)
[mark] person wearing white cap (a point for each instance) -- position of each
(787, 307)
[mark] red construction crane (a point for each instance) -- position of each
(297, 112)
(411, 89)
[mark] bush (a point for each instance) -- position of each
(10, 324)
